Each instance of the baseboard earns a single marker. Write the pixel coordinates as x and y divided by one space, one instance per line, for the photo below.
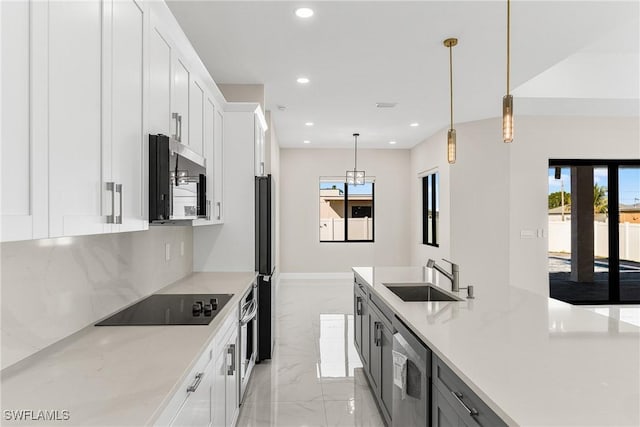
315 276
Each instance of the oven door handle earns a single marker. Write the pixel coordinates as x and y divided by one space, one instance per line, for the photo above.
249 314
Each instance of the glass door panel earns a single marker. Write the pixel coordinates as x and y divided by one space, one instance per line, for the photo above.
629 232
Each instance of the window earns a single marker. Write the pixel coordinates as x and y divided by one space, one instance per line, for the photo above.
346 211
430 209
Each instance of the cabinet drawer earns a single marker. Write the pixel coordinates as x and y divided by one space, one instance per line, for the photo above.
202 368
467 403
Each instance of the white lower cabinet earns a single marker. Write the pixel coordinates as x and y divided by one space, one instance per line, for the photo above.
196 395
209 394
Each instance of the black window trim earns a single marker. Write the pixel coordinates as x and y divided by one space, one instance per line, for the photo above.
346 222
429 226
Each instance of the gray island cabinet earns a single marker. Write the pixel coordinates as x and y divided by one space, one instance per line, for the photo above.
452 403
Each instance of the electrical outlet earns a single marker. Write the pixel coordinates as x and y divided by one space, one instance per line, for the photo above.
167 251
181 248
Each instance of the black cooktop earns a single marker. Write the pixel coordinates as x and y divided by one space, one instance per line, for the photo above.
170 309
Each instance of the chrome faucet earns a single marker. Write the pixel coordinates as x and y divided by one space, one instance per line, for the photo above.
454 276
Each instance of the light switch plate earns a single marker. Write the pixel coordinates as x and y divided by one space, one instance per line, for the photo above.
527 234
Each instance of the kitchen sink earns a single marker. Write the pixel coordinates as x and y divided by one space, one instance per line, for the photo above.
412 292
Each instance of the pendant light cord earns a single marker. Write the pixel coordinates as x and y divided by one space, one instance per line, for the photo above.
451 82
355 154
508 43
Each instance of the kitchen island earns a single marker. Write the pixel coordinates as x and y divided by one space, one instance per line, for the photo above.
533 360
119 375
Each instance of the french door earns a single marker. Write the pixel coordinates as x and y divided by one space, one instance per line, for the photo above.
594 231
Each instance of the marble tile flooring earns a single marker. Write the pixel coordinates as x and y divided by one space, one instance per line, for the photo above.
315 377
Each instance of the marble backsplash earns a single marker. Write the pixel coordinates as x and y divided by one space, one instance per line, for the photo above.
52 288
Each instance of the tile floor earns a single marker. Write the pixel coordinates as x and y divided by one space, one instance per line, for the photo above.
315 377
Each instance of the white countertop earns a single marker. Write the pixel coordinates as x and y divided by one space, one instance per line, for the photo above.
535 361
118 375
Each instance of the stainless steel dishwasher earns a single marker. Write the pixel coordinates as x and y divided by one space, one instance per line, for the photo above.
411 373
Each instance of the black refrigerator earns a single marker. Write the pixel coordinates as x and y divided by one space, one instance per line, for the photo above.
265 265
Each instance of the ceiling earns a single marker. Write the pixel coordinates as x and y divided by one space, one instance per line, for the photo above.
575 57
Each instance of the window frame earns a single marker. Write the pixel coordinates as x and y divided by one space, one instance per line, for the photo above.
429 227
346 218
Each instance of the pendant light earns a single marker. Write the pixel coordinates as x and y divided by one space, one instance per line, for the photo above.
451 134
355 177
507 100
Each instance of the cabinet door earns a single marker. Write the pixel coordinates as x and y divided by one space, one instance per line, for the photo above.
444 415
180 100
357 319
366 339
232 384
209 120
375 355
386 370
218 177
196 410
23 141
218 398
196 116
159 80
127 113
78 196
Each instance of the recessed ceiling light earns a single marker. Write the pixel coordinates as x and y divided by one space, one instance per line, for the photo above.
304 12
303 80
306 141
414 124
392 142
309 124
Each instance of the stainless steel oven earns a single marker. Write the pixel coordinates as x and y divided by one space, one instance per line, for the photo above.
248 336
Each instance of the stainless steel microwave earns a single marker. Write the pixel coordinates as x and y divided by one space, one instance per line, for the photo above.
177 182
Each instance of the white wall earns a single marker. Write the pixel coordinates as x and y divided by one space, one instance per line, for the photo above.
429 157
52 288
301 250
496 190
231 246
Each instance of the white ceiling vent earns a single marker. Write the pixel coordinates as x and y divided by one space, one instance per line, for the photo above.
386 104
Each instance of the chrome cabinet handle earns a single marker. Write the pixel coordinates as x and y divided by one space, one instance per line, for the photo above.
472 411
219 209
180 127
174 116
377 340
359 306
118 218
231 359
261 168
193 387
111 218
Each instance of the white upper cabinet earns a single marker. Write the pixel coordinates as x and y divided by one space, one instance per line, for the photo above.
78 197
213 151
96 117
196 116
84 83
160 121
127 129
180 100
23 168
218 168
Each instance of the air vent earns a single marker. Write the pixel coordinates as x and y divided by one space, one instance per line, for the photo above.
386 104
